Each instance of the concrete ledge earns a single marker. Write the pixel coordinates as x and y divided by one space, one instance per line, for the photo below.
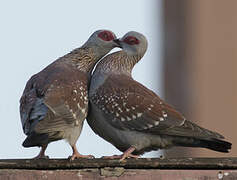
94 174
138 169
141 163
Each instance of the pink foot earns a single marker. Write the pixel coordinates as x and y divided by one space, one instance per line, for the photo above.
121 157
126 154
77 155
41 155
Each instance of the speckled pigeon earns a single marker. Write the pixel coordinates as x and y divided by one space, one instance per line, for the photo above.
54 103
132 117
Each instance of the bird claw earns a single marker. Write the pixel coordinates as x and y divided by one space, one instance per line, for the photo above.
78 156
124 156
120 157
41 157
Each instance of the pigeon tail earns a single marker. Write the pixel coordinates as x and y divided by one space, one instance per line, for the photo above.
212 143
35 139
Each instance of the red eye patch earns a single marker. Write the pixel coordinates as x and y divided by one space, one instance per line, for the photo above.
131 40
106 36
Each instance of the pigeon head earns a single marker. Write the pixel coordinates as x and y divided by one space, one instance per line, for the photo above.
133 43
102 41
134 46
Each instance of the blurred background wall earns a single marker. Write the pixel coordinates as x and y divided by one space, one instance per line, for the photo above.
201 66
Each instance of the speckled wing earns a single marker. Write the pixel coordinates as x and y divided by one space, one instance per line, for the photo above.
128 105
53 99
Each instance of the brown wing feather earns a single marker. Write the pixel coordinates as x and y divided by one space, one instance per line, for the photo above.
128 104
68 102
132 105
57 89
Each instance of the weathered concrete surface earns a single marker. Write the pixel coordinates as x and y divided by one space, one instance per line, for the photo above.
135 169
142 163
95 174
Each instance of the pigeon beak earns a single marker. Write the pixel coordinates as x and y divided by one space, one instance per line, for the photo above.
117 42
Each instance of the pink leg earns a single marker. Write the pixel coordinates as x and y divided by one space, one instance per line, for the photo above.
126 154
76 154
41 155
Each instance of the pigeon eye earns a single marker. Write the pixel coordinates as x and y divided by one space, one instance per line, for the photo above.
131 40
106 36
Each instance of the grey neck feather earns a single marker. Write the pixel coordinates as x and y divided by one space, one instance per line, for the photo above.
99 51
118 63
114 64
85 57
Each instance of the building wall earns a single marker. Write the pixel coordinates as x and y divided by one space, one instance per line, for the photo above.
201 66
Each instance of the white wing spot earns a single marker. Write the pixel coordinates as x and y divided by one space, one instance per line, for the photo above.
120 109
83 110
161 119
127 109
164 114
156 123
74 99
75 91
117 114
128 118
149 125
122 119
134 117
149 109
139 114
74 115
151 105
78 105
133 108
